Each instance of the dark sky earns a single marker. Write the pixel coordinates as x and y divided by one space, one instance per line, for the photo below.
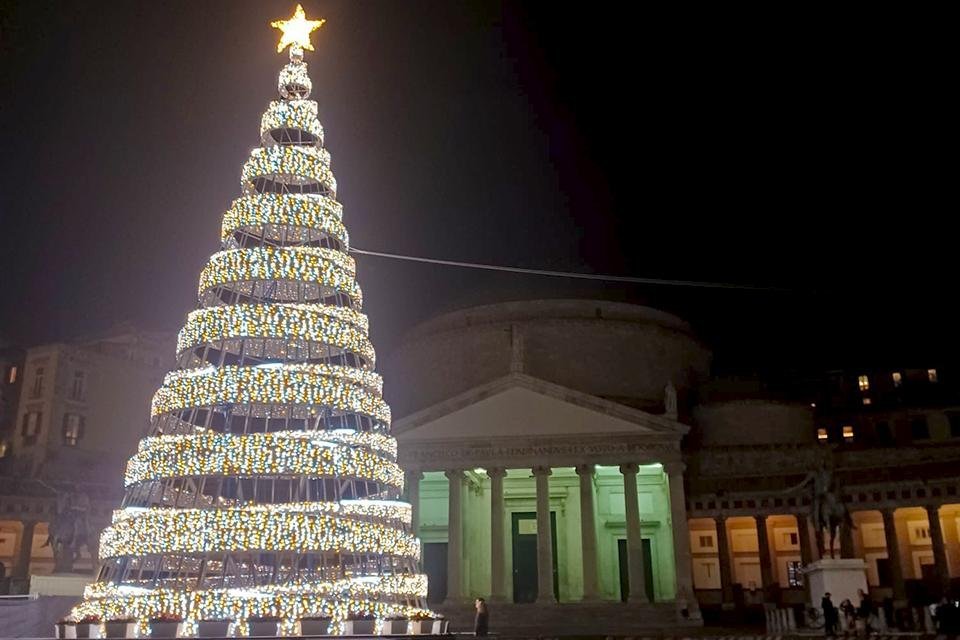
808 152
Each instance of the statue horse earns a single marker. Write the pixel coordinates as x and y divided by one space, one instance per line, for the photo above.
69 531
832 515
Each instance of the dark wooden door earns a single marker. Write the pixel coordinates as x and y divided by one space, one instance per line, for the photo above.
435 566
524 536
625 569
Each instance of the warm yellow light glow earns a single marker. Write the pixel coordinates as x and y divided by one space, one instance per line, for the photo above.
296 30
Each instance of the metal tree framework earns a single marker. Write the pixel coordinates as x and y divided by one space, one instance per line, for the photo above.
268 486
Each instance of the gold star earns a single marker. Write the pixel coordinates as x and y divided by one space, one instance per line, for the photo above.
296 30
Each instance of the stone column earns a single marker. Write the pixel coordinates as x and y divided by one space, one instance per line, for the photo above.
455 537
939 548
686 601
588 533
25 550
723 555
893 558
803 537
412 481
544 538
638 586
847 548
766 568
498 586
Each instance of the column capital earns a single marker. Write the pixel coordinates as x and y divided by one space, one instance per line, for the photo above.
542 470
586 469
629 467
888 512
496 472
932 510
675 467
413 474
720 519
454 474
760 518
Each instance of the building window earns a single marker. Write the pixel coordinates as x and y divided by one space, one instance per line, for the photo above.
12 374
884 435
897 378
932 375
864 382
848 433
38 382
794 538
79 385
954 419
30 428
72 429
706 542
822 435
919 429
867 402
794 576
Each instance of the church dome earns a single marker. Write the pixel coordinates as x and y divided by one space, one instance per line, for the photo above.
622 352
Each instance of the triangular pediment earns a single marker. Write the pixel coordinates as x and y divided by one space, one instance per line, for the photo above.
522 406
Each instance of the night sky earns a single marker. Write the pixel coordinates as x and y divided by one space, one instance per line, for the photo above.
808 153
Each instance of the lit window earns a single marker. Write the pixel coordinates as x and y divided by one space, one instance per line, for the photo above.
38 382
12 375
79 379
864 382
72 429
813 405
822 434
897 378
848 433
794 575
932 375
867 401
706 542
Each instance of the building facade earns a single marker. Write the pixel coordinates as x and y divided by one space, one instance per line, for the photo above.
80 410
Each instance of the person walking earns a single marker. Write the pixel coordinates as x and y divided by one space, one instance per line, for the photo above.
481 623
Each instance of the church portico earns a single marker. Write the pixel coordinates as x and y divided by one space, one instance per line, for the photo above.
533 495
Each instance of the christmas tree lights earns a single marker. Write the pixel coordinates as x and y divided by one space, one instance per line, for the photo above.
269 483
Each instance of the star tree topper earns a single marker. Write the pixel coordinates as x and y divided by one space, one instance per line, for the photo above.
296 31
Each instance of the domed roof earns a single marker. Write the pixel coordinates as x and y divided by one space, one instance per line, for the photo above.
622 352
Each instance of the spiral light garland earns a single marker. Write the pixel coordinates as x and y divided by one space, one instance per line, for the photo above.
288 602
292 114
341 388
273 454
286 209
281 321
253 528
296 163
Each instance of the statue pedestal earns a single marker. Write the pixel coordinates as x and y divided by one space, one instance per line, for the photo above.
839 578
60 584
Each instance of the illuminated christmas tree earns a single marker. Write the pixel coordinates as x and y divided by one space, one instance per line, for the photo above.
268 488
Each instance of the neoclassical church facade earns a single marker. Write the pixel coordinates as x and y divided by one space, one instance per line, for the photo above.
546 467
